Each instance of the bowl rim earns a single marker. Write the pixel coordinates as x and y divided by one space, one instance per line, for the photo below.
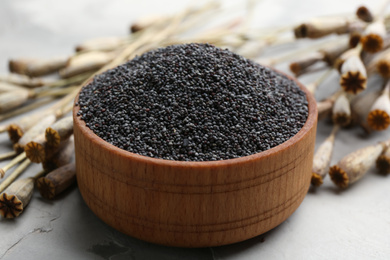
310 122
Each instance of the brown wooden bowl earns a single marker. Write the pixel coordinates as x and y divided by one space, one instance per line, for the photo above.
194 204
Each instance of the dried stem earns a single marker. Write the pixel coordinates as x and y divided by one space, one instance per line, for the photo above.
11 164
18 171
7 155
25 108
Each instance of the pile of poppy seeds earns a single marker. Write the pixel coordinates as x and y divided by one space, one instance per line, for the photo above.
193 102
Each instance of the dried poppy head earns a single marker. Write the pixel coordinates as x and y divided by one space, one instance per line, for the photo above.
364 14
353 82
301 31
378 120
10 206
339 176
372 43
383 68
14 133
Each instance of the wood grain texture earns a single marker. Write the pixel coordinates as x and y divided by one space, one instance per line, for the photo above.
194 204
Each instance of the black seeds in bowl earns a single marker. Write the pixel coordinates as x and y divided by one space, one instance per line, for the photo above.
193 102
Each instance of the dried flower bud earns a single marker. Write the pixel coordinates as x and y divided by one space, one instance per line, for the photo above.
57 181
383 162
379 116
364 14
37 67
341 113
322 158
353 75
355 165
16 197
374 34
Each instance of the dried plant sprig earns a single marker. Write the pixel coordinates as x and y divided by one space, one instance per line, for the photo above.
59 131
355 165
37 67
373 37
341 112
364 14
22 80
383 162
57 181
353 73
322 159
17 196
11 164
379 116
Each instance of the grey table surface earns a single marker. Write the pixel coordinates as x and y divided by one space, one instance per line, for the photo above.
329 224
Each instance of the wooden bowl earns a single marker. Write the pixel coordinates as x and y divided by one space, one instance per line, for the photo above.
194 204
